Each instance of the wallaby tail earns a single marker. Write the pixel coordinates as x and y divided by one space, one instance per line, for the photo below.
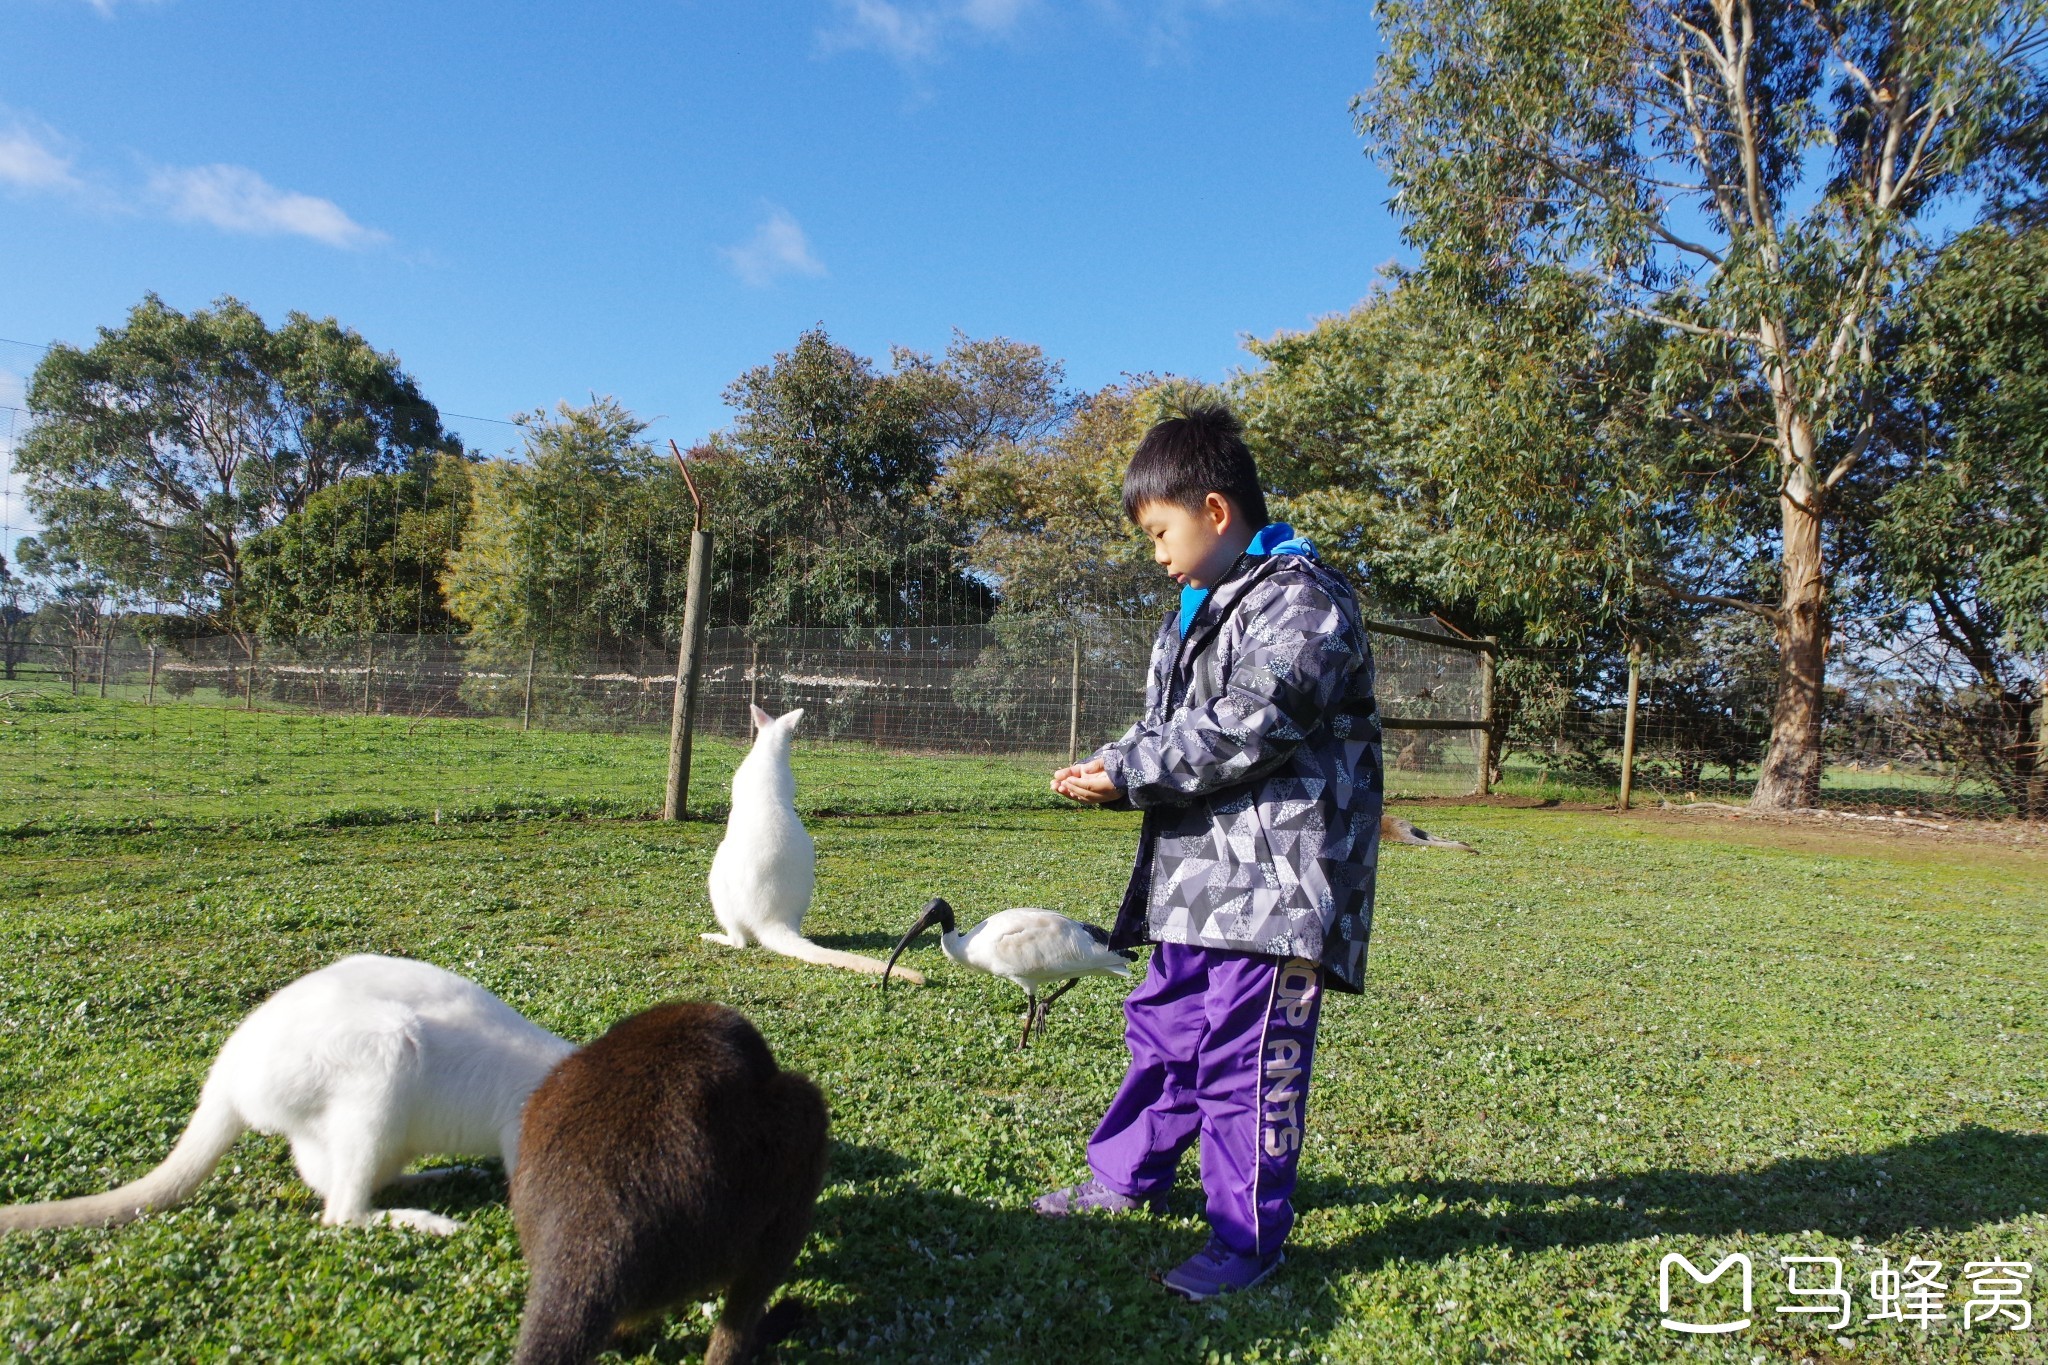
209 1133
790 943
562 1326
1395 830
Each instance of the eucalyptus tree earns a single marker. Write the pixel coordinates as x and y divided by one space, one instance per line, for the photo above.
1964 527
1959 542
366 555
579 545
15 620
1043 510
1759 182
156 452
823 481
1487 463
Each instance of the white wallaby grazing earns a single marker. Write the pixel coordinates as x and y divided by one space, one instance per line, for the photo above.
766 867
1395 830
366 1066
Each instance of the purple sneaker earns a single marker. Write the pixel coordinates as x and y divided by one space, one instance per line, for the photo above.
1092 1196
1216 1269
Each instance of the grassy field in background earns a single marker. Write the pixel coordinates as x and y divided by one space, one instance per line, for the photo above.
1601 1040
68 762
82 761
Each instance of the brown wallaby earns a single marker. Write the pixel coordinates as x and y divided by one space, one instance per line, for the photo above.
666 1161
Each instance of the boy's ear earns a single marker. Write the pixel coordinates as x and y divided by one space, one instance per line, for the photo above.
762 720
1221 515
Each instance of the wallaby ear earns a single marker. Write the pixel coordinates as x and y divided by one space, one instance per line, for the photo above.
790 718
762 720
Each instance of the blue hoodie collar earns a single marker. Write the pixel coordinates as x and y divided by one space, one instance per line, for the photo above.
1274 538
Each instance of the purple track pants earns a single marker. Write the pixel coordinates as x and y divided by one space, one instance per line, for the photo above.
1221 1044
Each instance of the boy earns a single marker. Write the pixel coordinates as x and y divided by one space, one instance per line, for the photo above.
1257 765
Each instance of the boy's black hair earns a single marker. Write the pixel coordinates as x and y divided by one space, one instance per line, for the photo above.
1184 459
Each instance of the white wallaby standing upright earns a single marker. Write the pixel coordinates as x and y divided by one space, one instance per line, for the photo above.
365 1066
766 867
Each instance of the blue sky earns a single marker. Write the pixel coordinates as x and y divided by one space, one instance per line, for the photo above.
644 200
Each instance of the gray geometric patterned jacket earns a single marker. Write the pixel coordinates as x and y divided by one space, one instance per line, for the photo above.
1257 765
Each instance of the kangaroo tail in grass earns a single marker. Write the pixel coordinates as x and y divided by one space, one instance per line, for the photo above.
213 1128
789 943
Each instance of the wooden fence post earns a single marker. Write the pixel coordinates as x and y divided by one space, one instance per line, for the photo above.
74 670
2040 782
526 705
106 648
689 655
1487 743
152 676
369 669
753 675
249 692
1074 701
1628 728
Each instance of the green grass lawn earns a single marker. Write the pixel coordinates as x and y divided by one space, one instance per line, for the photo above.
83 761
1602 1040
80 763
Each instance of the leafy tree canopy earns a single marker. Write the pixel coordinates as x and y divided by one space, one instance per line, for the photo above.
1748 178
366 555
1964 529
822 486
1500 465
160 449
578 546
1044 508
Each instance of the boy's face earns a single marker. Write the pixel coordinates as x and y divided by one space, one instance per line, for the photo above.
1195 546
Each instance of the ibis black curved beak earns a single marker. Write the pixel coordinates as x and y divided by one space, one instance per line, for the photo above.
936 911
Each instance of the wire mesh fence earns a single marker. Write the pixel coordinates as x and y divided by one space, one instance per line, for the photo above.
1882 753
157 723
428 720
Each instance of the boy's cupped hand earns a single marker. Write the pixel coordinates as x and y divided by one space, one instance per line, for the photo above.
1086 783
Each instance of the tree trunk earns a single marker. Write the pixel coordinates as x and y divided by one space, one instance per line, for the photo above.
1791 771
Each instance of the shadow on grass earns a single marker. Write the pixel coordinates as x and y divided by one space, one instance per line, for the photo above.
1945 1182
924 1273
907 1272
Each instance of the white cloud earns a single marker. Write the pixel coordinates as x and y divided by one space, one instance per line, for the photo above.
1167 27
880 26
919 33
778 249
237 199
994 16
916 33
29 160
34 159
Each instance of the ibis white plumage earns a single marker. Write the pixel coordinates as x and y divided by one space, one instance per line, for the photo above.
1029 947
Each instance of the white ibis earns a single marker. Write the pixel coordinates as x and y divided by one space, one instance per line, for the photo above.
1029 947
